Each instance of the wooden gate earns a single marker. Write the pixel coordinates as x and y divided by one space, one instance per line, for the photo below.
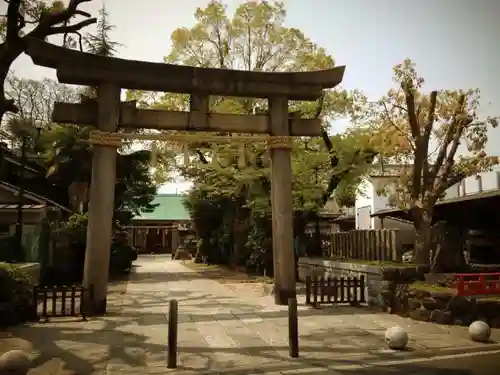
335 290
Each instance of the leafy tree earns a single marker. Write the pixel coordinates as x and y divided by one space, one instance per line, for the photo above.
423 132
63 151
34 19
135 188
69 162
255 38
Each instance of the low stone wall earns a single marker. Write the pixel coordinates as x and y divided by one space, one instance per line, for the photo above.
327 267
390 288
447 308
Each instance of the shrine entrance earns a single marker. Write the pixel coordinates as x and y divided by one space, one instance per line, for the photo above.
107 113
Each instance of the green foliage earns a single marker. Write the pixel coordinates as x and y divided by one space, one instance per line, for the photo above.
135 188
122 254
74 228
9 250
230 199
68 159
16 291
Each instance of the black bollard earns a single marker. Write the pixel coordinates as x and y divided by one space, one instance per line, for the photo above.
172 335
293 328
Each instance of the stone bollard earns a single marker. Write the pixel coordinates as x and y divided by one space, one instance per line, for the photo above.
480 331
396 338
14 362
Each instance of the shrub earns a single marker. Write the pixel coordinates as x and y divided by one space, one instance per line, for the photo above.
16 295
9 250
122 254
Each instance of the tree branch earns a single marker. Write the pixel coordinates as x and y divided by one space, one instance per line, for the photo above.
417 137
13 15
410 141
202 157
424 143
452 180
412 114
48 22
438 164
446 179
71 29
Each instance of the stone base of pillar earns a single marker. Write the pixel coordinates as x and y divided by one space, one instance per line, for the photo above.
182 254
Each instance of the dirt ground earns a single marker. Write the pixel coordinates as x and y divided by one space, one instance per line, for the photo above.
225 275
236 280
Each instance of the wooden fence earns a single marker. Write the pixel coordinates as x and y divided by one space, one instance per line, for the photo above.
371 244
60 301
335 290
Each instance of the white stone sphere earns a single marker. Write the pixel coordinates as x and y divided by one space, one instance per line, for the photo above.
480 331
396 338
14 362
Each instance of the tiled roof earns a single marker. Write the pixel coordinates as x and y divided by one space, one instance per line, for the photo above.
170 207
24 206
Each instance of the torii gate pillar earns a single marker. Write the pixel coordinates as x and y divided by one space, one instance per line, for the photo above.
281 203
101 204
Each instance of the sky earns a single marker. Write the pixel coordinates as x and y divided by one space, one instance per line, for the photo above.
455 43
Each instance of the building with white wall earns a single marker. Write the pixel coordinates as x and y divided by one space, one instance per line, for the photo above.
370 200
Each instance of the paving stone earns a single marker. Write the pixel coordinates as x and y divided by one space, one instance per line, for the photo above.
222 329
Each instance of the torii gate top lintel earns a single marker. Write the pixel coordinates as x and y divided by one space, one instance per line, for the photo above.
80 68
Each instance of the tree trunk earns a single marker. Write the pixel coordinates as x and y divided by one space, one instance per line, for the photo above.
448 253
423 238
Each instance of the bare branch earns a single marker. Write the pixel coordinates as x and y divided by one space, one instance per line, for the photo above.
449 182
82 13
400 107
48 22
425 141
13 16
447 140
415 132
410 141
411 110
71 29
447 176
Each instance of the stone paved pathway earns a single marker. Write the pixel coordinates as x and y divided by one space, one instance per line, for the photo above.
223 329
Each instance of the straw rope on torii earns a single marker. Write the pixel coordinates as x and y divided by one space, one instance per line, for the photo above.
114 139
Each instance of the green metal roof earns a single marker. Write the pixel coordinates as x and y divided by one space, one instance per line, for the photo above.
170 207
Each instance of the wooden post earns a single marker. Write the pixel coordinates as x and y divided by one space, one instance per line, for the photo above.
102 193
293 328
282 205
172 334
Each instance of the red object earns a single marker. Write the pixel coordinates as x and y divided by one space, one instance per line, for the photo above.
471 284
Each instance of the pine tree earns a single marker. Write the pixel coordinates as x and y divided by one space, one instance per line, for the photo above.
99 43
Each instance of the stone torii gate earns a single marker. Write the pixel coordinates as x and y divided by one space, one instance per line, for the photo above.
108 113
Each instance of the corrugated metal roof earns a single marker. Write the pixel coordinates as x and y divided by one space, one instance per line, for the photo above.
170 208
